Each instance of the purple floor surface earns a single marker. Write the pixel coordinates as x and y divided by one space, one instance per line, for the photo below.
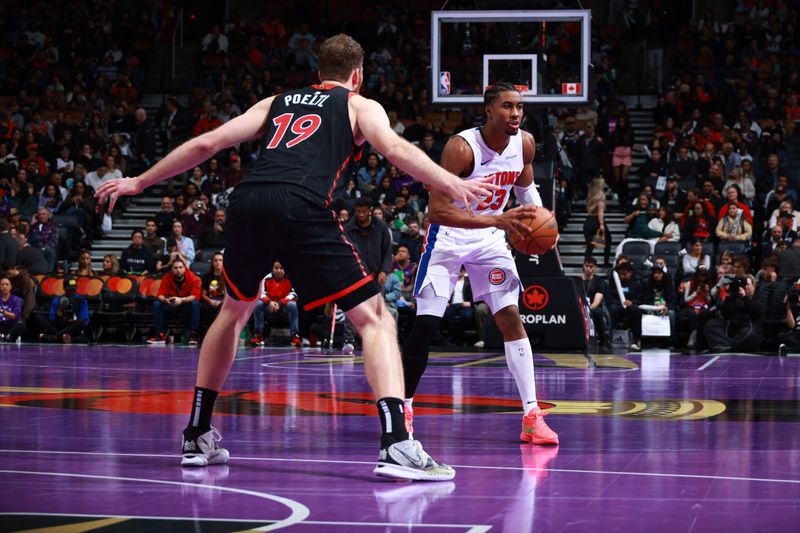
649 442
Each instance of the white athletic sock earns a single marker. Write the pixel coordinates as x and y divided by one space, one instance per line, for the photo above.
519 357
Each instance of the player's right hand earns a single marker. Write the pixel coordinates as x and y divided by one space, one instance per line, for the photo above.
469 191
511 221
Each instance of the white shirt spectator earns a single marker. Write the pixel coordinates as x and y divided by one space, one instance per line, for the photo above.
690 263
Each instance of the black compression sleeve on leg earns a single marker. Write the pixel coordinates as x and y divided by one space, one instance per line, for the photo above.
415 350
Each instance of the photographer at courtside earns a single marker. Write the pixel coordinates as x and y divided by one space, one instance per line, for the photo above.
69 316
740 326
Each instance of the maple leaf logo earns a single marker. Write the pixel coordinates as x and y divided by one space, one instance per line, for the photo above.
535 298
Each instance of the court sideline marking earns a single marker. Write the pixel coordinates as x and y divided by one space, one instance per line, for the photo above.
472 528
372 463
299 512
708 363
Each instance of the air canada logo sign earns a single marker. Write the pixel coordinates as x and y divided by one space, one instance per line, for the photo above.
534 300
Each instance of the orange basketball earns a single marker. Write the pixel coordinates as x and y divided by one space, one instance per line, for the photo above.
543 235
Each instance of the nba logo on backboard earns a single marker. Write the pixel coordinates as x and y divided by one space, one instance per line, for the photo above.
444 82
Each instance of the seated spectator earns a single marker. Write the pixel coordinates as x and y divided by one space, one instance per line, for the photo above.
198 222
595 289
97 177
710 196
277 297
623 302
696 302
137 258
9 247
214 237
694 258
185 244
654 167
50 198
384 195
734 196
234 173
659 291
68 318
664 224
213 286
370 174
405 270
219 196
402 211
164 263
692 197
84 264
22 285
151 240
460 306
31 257
166 217
44 235
698 224
733 226
413 240
639 218
673 196
110 265
390 290
786 209
683 166
747 187
179 294
342 329
80 203
780 234
11 324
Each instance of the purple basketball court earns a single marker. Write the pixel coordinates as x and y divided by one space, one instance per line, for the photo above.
651 442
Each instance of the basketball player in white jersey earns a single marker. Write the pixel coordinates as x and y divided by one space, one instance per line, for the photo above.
454 238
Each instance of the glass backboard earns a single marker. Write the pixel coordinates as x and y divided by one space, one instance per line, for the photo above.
545 53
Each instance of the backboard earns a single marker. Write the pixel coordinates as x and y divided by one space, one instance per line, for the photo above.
545 53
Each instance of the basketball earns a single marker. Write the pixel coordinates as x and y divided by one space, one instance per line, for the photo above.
543 235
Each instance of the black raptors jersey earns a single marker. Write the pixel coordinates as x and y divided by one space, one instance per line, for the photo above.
308 142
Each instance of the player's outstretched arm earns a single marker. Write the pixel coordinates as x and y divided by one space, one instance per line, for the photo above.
191 153
457 158
373 124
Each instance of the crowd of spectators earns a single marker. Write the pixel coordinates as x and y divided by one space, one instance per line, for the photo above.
717 193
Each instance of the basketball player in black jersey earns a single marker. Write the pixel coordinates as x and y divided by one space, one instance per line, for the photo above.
282 209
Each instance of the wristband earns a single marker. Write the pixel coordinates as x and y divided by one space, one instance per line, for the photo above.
528 195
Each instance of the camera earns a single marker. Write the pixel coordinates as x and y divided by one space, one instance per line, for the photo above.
736 284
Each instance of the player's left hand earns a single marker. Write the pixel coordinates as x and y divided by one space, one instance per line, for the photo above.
113 189
469 191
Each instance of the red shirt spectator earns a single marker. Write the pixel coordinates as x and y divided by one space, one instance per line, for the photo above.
191 285
207 122
33 155
277 287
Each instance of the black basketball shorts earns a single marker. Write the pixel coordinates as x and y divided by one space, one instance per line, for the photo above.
278 222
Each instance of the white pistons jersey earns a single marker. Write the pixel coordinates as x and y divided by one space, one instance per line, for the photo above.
483 251
504 169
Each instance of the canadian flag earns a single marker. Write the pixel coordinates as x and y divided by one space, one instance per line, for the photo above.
570 88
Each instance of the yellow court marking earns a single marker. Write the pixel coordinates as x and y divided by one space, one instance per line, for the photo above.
77 528
481 361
